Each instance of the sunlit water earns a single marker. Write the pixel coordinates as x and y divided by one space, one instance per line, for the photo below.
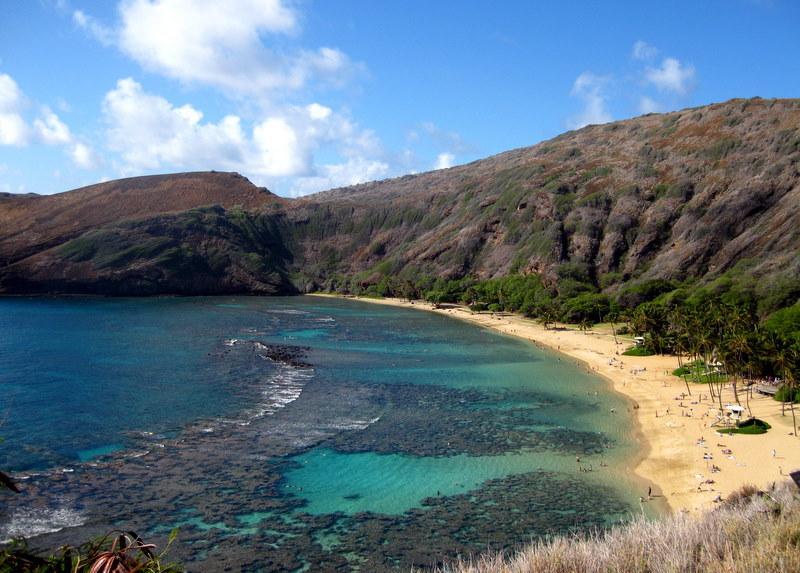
390 437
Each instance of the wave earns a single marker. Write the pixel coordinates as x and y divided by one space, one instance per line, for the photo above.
343 424
278 390
31 522
286 311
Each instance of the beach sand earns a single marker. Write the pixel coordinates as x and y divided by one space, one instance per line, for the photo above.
676 432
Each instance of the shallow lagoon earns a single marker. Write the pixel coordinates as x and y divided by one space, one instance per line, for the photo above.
389 438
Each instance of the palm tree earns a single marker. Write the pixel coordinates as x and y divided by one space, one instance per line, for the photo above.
780 360
612 317
547 317
735 350
680 349
793 355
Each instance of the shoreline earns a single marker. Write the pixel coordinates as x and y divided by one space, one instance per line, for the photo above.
679 447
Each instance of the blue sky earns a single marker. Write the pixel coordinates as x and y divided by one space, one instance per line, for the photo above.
306 95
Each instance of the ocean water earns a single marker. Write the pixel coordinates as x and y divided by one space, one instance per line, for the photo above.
299 434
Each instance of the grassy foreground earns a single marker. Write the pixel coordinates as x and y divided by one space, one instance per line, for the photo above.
750 532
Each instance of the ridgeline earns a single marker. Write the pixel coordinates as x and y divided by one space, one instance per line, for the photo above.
695 196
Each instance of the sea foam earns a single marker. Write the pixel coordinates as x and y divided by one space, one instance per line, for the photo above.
30 522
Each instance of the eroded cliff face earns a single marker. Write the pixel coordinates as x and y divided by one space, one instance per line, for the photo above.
689 193
685 194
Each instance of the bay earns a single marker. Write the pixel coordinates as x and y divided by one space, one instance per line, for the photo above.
299 433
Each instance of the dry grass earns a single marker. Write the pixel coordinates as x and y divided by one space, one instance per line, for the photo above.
749 533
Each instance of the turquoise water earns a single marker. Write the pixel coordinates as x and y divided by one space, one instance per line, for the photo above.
290 434
393 484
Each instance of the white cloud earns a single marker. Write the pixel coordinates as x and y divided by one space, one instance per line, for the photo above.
589 87
444 160
98 31
47 128
671 76
643 51
429 146
318 111
51 130
351 172
450 140
63 105
11 97
648 105
220 44
13 129
280 151
83 156
150 132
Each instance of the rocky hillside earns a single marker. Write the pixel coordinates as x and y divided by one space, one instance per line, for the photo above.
32 222
142 235
694 193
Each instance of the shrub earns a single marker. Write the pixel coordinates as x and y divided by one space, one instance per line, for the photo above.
750 426
720 149
587 306
786 322
609 279
638 351
682 371
787 394
642 292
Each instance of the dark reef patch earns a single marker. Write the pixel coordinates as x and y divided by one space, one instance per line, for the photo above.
466 422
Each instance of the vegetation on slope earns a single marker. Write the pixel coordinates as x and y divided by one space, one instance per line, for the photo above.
33 223
752 531
688 195
207 250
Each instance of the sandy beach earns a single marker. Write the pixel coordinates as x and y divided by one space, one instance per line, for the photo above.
680 447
